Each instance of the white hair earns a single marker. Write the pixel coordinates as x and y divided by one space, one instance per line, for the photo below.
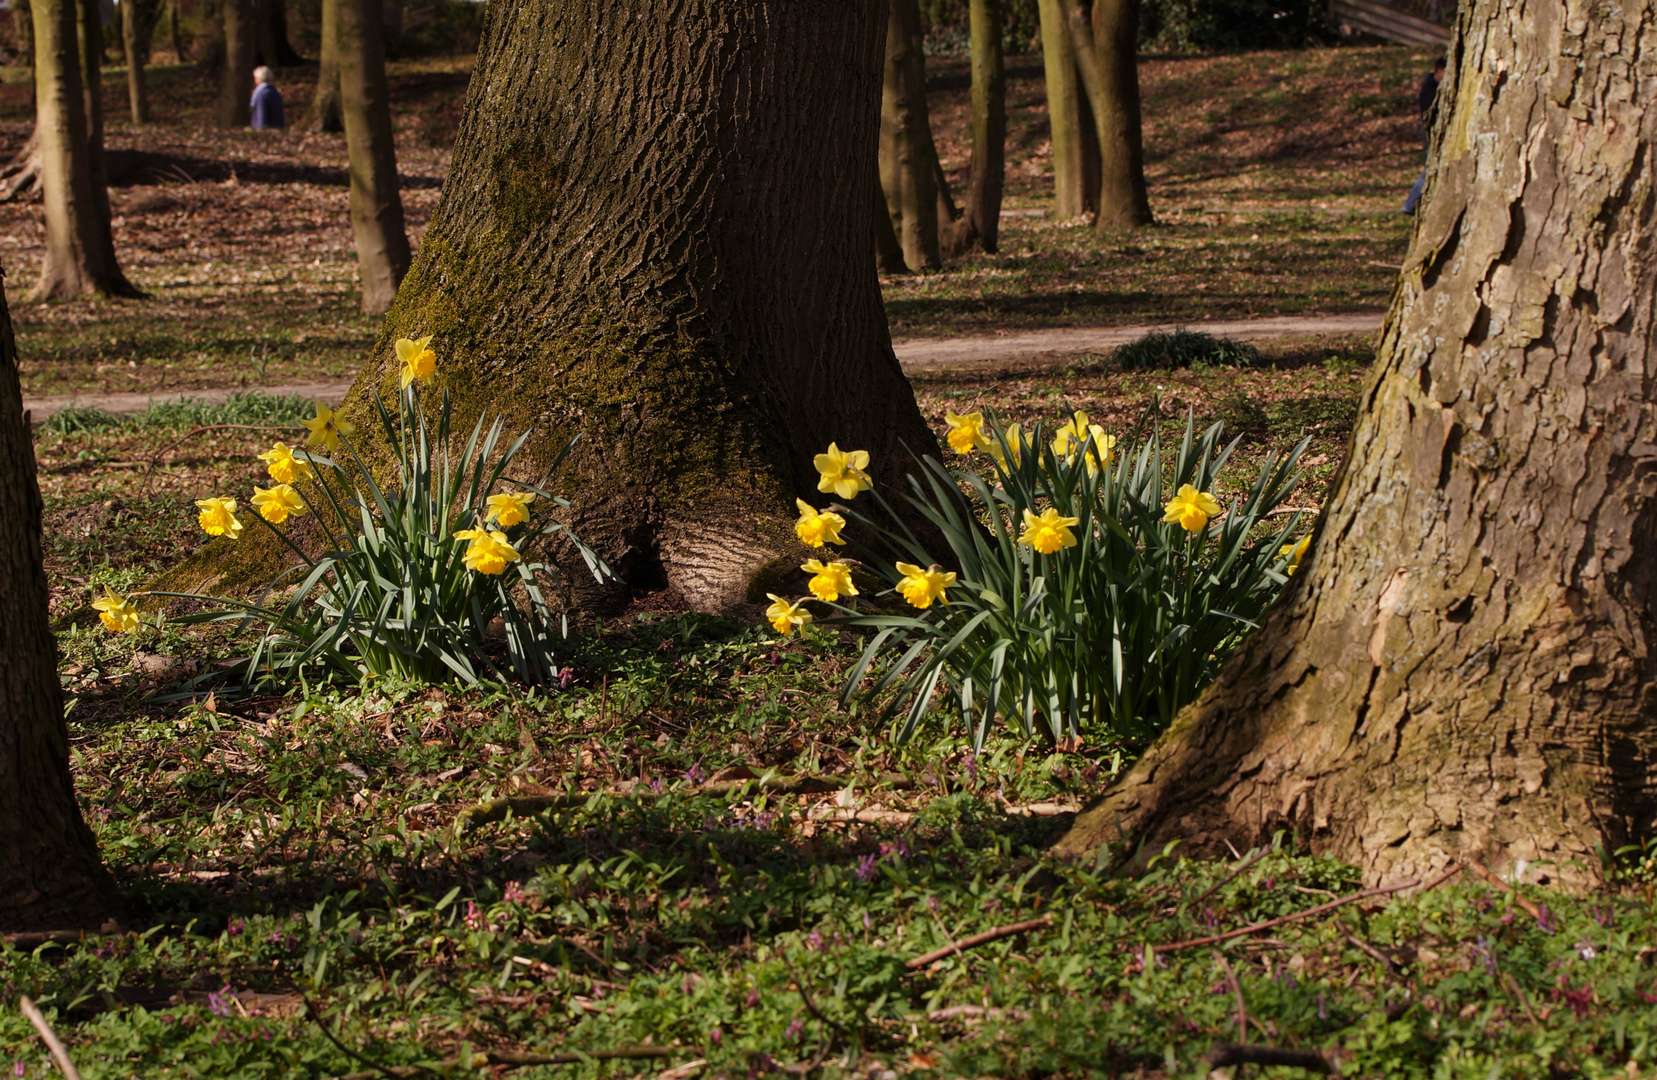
262 74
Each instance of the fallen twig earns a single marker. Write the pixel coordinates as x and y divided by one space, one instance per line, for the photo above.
996 934
35 939
1255 928
974 1012
1519 898
1386 962
1225 1053
60 1053
1229 878
1237 992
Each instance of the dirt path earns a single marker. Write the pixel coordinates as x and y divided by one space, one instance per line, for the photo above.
915 354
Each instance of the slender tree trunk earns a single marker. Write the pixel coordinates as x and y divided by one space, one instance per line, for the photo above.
1463 666
80 257
989 123
376 203
23 24
91 40
323 115
173 29
1107 56
1070 120
888 252
50 876
908 160
236 73
132 37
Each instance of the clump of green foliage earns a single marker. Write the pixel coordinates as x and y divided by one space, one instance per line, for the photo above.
1182 348
251 407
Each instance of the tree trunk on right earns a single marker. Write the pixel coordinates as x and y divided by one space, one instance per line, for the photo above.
324 115
1107 55
908 161
236 73
376 202
1464 664
1074 138
50 875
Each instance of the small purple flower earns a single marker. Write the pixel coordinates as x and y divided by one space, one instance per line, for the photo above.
796 1028
866 924
19 1068
969 762
656 786
565 677
715 1035
219 1004
814 941
1586 950
753 998
1545 921
1323 1013
932 902
695 775
475 919
1482 952
866 868
514 894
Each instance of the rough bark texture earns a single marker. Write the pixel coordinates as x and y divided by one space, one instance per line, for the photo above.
50 876
132 41
376 203
236 72
324 114
80 256
907 158
1069 119
1463 666
655 236
1107 57
989 123
888 251
20 177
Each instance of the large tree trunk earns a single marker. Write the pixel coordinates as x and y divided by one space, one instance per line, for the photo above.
656 235
324 115
908 160
50 876
1107 56
888 251
989 123
376 204
132 39
80 256
1070 121
1463 667
270 34
236 72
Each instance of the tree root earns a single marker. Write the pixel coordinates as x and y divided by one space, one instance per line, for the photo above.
20 177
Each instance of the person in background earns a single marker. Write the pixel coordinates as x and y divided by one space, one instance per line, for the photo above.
1425 98
267 101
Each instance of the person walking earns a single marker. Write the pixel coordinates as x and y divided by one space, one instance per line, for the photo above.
1426 98
267 101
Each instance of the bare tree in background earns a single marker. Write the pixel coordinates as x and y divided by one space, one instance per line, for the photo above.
1107 55
982 219
324 115
135 44
376 203
236 71
1075 139
908 161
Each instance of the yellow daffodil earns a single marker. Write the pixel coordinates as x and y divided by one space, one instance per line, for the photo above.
966 432
829 580
418 361
842 471
117 613
218 517
488 551
1191 508
818 527
327 429
786 616
1295 552
508 509
284 467
1014 436
278 503
1049 532
921 587
1077 431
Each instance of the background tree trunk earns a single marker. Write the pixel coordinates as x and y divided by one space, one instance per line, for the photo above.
907 158
132 38
376 204
1070 121
80 259
1463 666
89 17
989 123
888 252
236 73
655 235
1107 56
323 115
20 177
270 35
177 36
23 23
50 876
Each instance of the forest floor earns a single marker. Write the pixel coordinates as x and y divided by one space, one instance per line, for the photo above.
306 899
1275 177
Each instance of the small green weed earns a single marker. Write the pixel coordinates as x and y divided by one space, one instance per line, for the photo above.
1182 348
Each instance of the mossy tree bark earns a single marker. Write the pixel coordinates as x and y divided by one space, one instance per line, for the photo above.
80 250
1074 139
657 235
1463 666
324 114
133 39
235 108
376 203
908 161
50 876
1107 56
989 123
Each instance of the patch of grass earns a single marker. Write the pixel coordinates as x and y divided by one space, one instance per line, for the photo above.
1182 348
250 407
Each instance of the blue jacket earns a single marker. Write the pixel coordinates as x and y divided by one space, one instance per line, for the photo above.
267 107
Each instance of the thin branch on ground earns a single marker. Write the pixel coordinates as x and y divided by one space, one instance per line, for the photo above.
1225 1053
1229 878
1519 898
987 936
60 1053
1237 992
